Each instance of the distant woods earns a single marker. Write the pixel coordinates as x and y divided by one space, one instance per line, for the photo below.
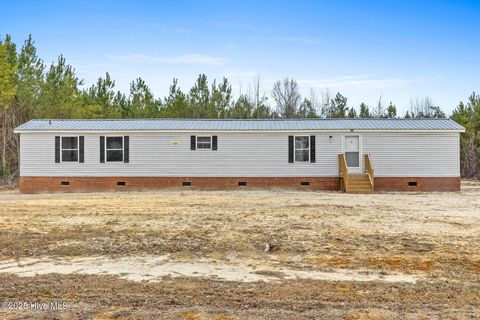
468 115
31 89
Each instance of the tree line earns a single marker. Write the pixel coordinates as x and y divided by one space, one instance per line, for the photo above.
30 89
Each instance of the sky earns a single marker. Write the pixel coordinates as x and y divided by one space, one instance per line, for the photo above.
396 50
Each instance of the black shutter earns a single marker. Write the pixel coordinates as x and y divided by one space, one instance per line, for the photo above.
312 148
193 143
81 147
102 149
290 149
126 149
57 149
214 143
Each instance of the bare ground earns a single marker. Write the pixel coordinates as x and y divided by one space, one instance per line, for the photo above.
201 255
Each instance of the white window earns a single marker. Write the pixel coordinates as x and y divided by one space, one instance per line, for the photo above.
114 149
69 149
204 142
302 148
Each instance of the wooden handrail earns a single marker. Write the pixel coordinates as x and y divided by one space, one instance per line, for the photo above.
369 169
343 171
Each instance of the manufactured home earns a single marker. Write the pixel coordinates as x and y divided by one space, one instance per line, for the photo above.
351 155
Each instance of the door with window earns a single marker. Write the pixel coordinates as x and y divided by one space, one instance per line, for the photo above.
352 153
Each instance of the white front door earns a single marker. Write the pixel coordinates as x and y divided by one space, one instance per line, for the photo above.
352 153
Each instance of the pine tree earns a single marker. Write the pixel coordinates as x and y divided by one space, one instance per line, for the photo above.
60 94
391 111
142 103
30 78
221 99
99 100
8 86
121 102
364 111
352 113
337 107
199 98
8 89
262 111
242 109
176 104
468 115
307 110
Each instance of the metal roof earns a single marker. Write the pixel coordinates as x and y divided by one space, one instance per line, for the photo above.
238 125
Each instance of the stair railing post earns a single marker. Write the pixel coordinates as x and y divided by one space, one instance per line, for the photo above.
342 165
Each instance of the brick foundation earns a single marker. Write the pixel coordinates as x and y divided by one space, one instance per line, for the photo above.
97 184
417 183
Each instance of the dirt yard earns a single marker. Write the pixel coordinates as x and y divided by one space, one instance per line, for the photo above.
241 255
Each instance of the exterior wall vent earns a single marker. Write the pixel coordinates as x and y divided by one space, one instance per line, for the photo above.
242 183
65 183
186 183
121 183
412 183
305 183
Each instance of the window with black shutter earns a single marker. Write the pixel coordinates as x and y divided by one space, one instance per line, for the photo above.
312 149
102 149
290 149
214 143
126 149
69 149
193 142
81 150
302 148
114 149
57 149
204 142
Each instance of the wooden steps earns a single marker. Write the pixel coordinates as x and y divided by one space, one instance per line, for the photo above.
356 182
359 183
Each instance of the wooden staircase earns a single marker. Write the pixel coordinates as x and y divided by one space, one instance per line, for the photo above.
356 183
359 183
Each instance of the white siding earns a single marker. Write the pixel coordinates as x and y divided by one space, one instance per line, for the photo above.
415 155
238 154
246 154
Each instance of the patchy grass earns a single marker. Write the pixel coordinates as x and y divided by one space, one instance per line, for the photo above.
433 235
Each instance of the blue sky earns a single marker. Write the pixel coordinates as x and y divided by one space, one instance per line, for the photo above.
365 49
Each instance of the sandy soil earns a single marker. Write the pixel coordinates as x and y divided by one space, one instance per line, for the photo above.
201 255
155 268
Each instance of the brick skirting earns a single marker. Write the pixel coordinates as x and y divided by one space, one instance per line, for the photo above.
417 183
94 184
97 184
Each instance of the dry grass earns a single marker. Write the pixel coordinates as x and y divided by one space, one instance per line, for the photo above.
435 235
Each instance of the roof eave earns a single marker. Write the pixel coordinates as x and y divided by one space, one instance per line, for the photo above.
256 131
